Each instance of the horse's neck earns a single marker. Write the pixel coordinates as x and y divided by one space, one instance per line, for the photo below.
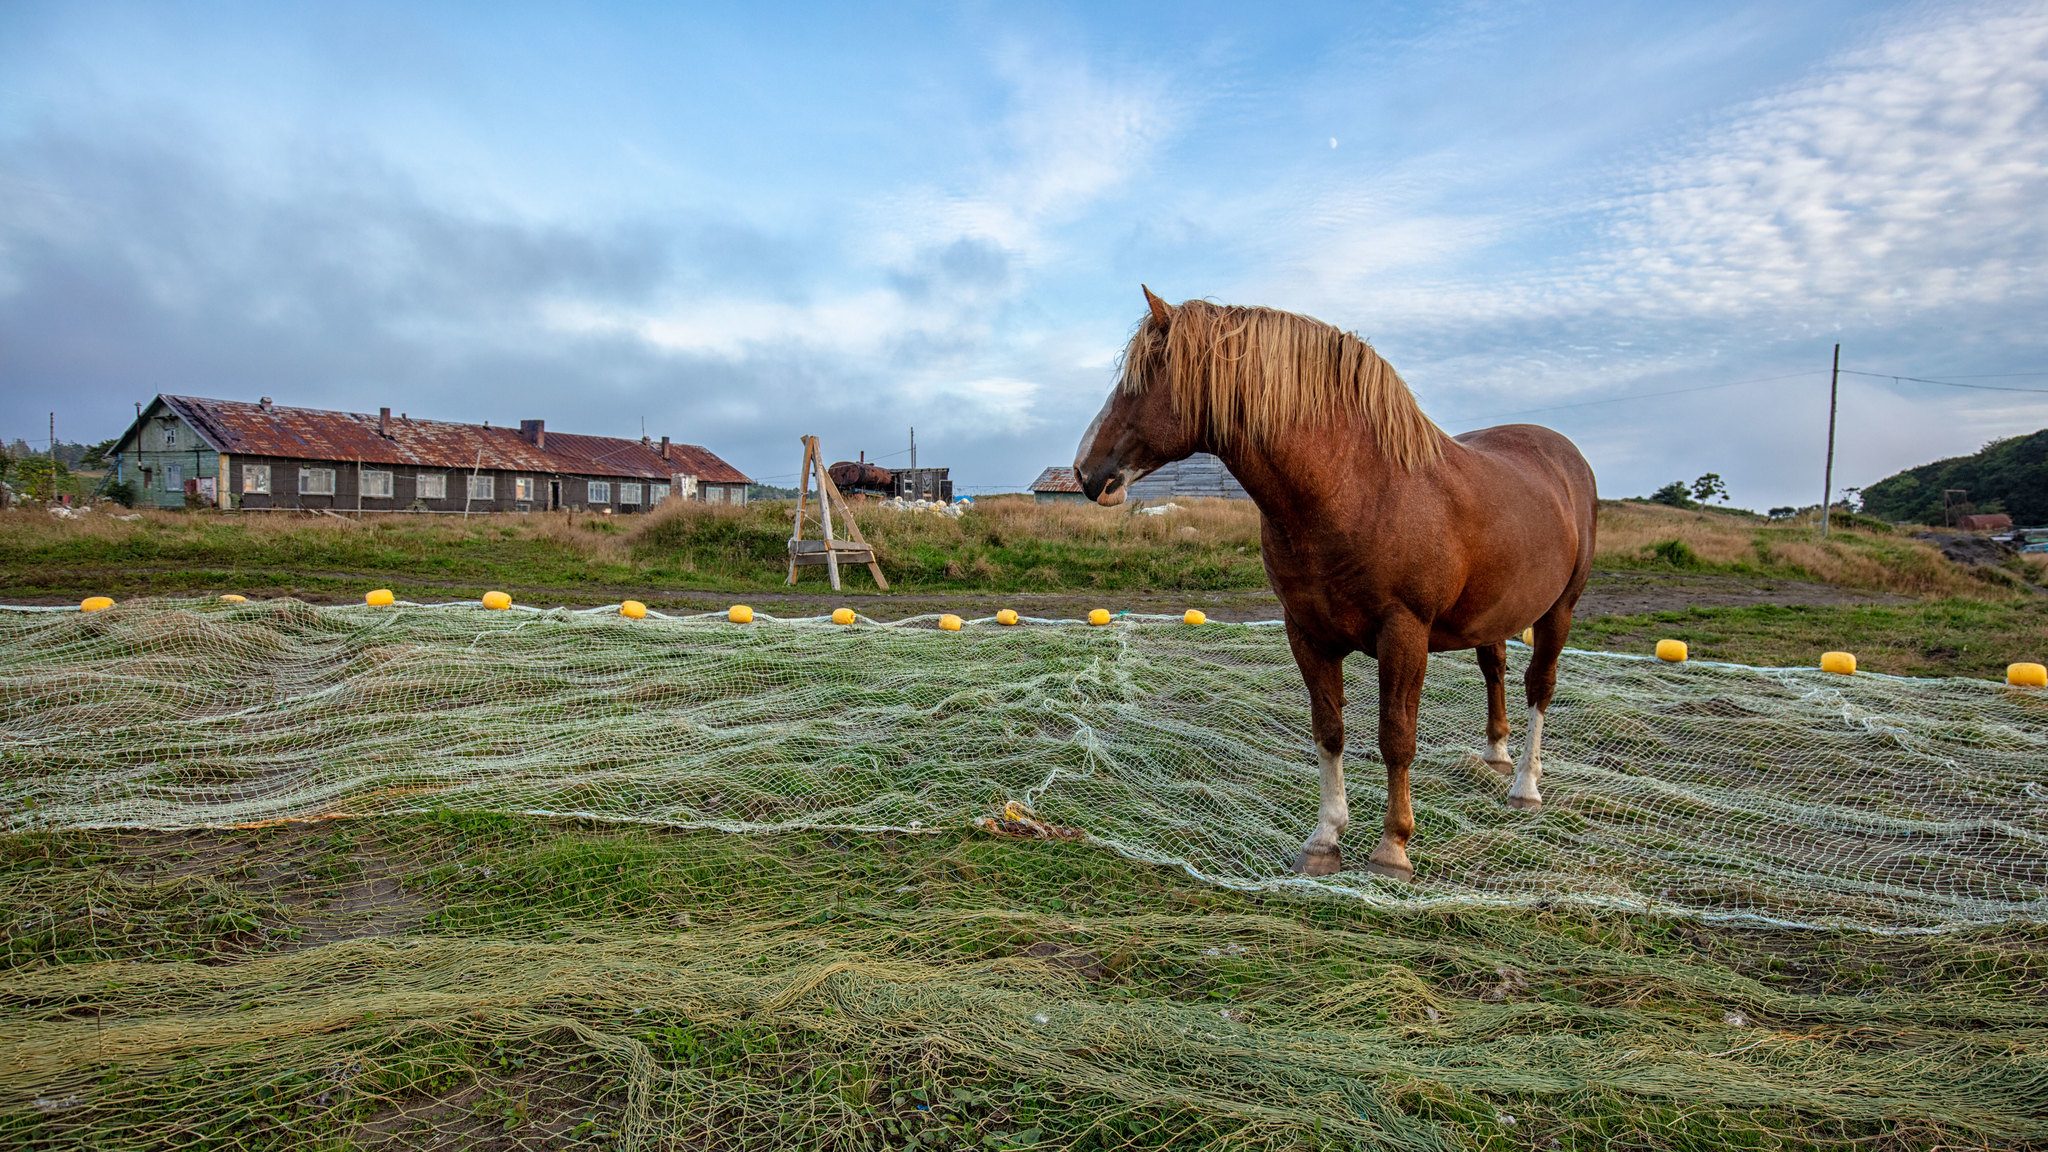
1309 472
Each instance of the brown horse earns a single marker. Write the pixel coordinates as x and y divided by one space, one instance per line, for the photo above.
1381 534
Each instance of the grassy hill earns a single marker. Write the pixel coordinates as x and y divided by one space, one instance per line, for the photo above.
2009 476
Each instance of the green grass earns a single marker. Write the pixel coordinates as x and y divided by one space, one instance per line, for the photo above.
1951 637
88 917
1005 546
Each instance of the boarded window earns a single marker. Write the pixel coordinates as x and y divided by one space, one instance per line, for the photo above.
174 477
629 493
433 486
316 481
522 488
483 487
377 484
600 491
255 477
714 494
656 493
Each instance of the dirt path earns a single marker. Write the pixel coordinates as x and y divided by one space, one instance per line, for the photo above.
1609 594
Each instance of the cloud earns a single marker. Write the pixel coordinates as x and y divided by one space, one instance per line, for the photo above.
137 257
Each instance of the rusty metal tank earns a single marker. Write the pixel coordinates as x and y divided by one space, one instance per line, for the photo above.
859 476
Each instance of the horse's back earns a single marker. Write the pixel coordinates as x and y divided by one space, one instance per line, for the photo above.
1542 458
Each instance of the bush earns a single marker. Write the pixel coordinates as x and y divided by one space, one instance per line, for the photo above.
1677 494
1676 553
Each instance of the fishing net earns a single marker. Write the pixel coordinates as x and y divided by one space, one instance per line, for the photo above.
507 980
1789 795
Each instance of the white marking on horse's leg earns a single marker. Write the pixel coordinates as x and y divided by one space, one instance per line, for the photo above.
1335 813
1524 793
1497 753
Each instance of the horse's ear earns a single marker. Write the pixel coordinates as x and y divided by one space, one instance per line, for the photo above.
1160 311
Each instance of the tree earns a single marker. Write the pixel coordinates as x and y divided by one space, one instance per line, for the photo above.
1783 513
1675 494
42 478
1709 486
94 458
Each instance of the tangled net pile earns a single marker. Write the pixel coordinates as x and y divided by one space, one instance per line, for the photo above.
557 988
1788 795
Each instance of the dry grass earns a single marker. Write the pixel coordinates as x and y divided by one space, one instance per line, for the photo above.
1854 555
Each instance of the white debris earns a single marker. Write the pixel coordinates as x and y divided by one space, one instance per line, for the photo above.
899 504
1159 510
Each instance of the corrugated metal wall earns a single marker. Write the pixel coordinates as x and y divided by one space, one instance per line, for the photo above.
1197 476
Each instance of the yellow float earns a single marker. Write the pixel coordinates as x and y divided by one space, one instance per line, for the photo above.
2026 675
740 614
949 622
1842 663
1529 637
95 603
1672 650
633 610
1006 616
1099 617
497 601
842 615
379 598
232 598
1193 616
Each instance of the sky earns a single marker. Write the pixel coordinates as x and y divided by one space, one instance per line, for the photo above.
1644 224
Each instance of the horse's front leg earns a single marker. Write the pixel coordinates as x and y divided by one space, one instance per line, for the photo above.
1403 658
1493 664
1324 675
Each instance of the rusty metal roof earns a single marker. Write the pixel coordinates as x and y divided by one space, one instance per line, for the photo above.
1057 480
242 428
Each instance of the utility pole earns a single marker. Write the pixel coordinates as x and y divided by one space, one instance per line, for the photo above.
913 449
1827 489
53 435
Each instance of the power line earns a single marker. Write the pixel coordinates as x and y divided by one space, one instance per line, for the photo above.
1654 395
1954 383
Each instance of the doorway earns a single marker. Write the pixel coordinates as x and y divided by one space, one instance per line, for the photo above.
554 495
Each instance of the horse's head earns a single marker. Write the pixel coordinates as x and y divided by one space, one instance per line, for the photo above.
1138 429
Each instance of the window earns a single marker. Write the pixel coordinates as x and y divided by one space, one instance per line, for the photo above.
433 486
255 477
600 491
714 494
629 493
170 435
174 477
656 493
316 481
483 487
522 488
377 484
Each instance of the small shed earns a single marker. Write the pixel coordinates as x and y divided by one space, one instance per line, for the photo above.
1058 486
1200 475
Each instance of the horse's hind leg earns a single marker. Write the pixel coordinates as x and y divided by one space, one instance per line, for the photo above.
1541 682
1324 676
1493 664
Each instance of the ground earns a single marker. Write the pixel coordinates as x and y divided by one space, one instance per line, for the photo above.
504 981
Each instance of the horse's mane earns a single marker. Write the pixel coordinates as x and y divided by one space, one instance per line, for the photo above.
1260 373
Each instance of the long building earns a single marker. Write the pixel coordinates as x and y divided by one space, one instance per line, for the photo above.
187 450
1200 475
